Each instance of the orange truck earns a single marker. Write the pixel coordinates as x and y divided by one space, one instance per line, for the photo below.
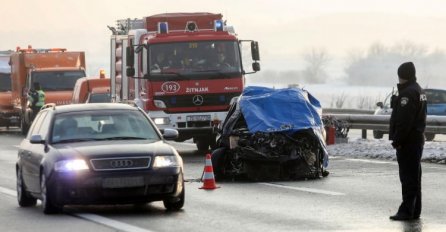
55 69
92 89
8 117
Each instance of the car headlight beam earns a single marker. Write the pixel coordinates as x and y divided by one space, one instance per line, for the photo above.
165 161
70 165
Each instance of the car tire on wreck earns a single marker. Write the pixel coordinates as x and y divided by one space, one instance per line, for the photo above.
378 134
429 136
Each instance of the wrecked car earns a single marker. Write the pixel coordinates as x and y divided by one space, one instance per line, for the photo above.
271 134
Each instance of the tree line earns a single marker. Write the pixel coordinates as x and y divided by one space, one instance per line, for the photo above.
377 66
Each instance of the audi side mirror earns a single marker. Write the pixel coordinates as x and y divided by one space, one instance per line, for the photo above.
170 134
380 104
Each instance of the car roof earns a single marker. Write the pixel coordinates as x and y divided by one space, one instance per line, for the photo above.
429 89
88 107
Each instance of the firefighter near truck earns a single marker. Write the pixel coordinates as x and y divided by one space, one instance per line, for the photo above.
56 70
184 69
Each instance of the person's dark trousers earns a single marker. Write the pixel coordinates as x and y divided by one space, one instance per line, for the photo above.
35 110
409 162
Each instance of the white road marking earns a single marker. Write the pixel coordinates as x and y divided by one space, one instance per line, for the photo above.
372 161
393 163
310 190
120 226
8 191
111 223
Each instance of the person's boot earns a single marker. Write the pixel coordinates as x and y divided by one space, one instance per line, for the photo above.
401 217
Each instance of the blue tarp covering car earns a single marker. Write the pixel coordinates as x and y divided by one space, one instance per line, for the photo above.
272 110
272 134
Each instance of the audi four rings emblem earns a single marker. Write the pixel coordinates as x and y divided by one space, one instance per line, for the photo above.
197 100
121 163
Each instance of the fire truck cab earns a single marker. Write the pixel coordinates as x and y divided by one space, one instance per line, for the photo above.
184 69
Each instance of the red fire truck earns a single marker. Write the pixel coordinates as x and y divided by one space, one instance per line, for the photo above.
184 69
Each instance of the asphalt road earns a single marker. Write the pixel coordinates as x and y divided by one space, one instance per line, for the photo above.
358 195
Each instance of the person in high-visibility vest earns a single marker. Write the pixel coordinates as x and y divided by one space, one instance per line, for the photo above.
36 99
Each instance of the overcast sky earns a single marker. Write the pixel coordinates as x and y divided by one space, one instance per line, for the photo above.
284 28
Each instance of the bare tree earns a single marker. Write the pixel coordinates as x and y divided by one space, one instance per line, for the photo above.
339 100
317 60
378 66
365 102
409 49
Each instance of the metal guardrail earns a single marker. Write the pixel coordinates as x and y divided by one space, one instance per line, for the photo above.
434 124
346 111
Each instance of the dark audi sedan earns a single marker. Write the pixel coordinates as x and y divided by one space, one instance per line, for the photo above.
100 153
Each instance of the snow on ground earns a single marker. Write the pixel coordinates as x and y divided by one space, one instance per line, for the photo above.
434 152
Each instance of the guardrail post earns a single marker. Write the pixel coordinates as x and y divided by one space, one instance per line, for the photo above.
364 133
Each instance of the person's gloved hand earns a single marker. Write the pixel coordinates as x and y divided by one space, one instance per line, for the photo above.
395 145
393 101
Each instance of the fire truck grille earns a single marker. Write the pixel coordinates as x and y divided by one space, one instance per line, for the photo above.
197 100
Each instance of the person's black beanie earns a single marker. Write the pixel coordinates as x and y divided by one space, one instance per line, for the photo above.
407 71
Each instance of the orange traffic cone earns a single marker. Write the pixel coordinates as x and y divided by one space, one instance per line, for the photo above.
208 176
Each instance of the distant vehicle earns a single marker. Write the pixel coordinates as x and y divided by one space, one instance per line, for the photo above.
55 69
436 105
98 153
8 116
92 90
272 134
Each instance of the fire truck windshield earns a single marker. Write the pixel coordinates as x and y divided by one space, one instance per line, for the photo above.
5 82
187 59
56 80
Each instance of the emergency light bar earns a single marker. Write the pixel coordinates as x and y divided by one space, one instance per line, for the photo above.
191 26
163 28
218 25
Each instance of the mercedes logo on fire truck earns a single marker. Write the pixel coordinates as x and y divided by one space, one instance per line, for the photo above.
197 100
121 163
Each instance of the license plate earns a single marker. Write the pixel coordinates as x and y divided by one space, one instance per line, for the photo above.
123 182
199 118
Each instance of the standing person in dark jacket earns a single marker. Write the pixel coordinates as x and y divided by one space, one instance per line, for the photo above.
407 124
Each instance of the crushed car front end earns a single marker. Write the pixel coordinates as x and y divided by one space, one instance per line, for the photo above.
270 135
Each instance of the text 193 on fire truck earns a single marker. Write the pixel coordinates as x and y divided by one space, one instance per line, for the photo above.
55 69
185 70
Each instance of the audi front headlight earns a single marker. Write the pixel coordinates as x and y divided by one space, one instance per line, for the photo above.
71 165
165 161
